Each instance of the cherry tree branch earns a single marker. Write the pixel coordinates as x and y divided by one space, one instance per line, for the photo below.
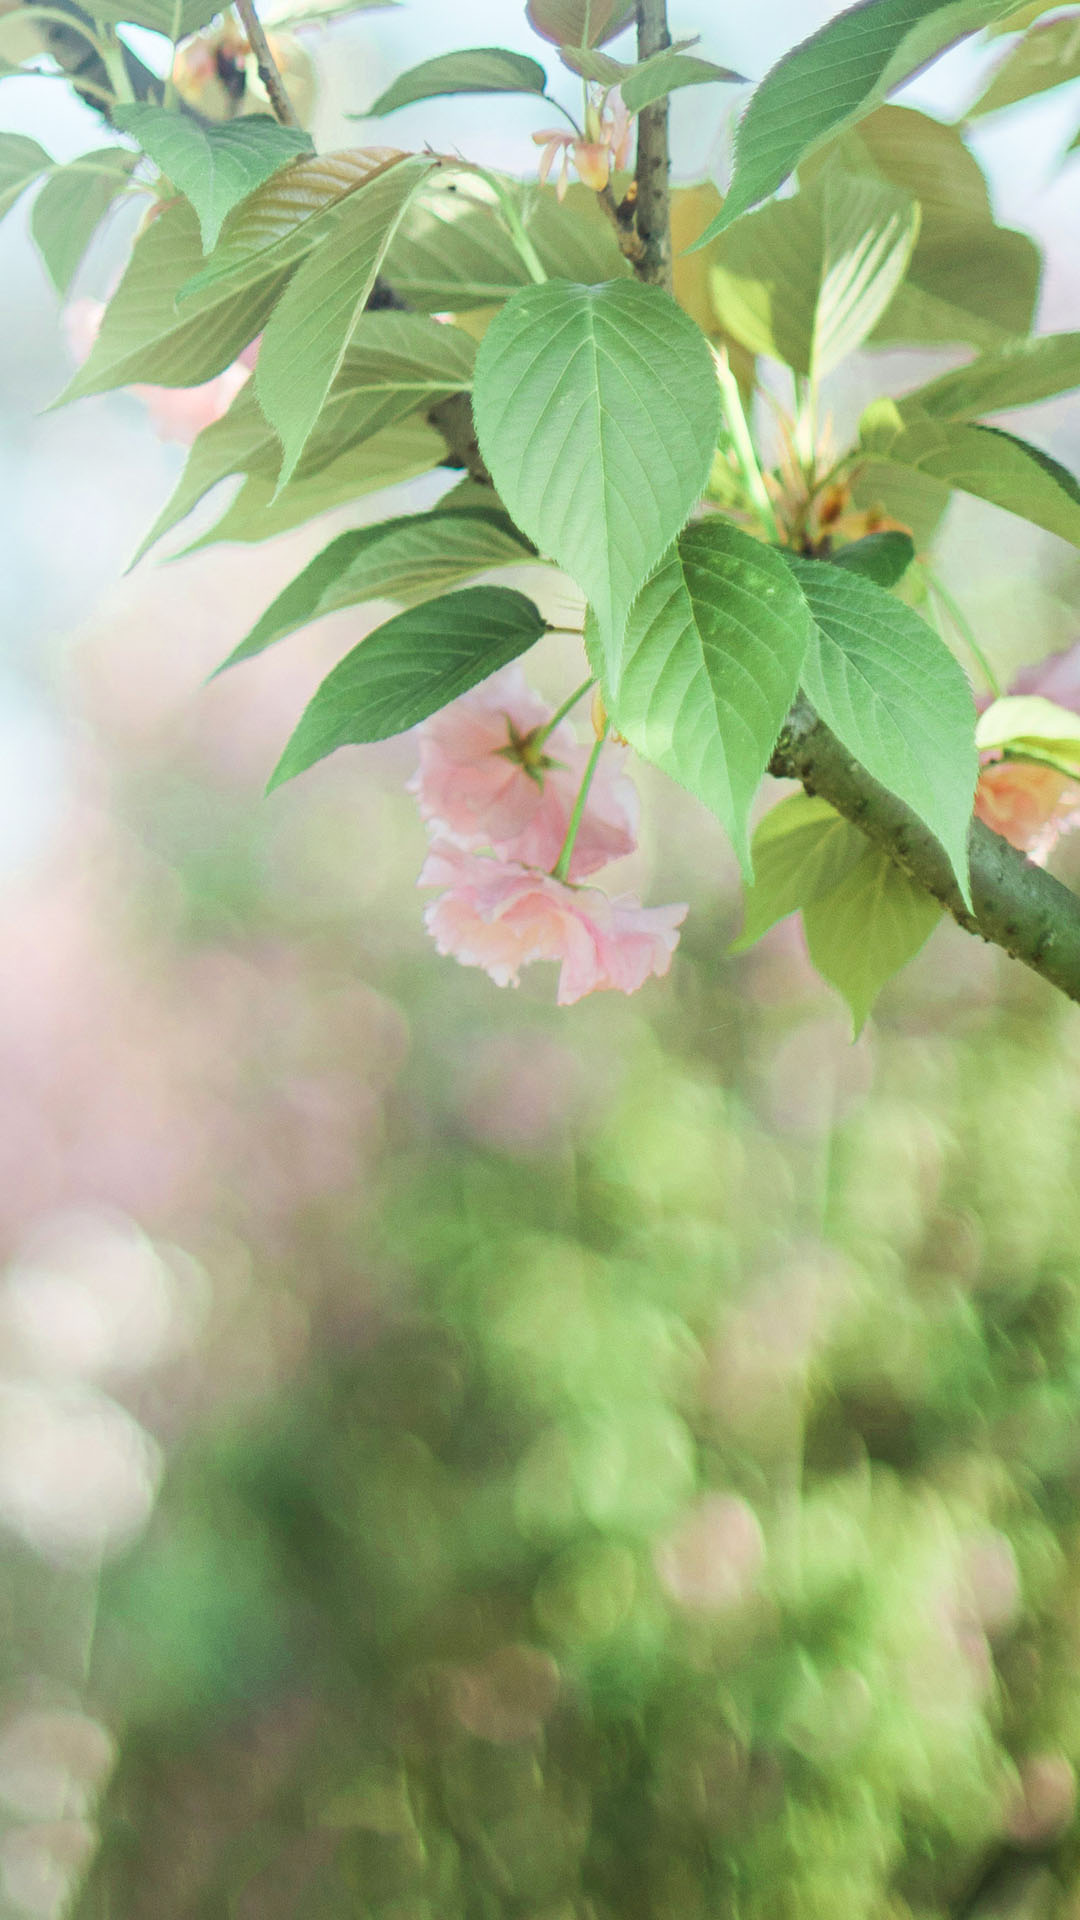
1017 906
652 199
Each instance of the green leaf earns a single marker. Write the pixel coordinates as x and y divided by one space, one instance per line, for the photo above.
579 23
174 18
866 928
409 668
1046 57
404 559
475 70
708 667
887 492
881 557
22 162
893 694
801 850
396 364
144 338
307 334
215 164
260 510
806 279
597 411
984 461
832 80
71 206
453 253
1016 375
1023 719
647 80
283 219
968 280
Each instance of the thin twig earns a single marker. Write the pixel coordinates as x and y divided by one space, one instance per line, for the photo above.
269 74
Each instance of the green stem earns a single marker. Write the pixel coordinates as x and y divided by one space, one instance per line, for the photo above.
561 869
565 111
743 444
112 54
963 627
561 712
527 253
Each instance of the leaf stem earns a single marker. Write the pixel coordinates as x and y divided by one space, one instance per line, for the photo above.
963 627
565 111
523 246
567 705
561 869
276 91
111 48
743 444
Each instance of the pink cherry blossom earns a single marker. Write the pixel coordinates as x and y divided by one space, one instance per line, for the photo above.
485 780
604 149
500 915
178 413
1031 806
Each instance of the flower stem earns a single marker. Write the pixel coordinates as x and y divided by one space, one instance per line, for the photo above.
112 54
561 869
526 252
744 445
963 627
561 712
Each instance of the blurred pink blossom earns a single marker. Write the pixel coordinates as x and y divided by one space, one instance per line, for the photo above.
486 780
501 915
178 413
1031 806
714 1555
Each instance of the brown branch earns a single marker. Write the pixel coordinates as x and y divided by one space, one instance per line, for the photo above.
653 199
276 91
1017 906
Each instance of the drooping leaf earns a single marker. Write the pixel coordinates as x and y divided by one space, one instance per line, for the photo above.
911 501
1046 57
891 691
408 558
410 667
866 928
308 333
283 219
396 364
881 557
215 164
474 70
22 161
1029 719
806 279
144 337
1016 375
708 667
968 279
801 848
984 461
832 80
579 23
260 511
596 410
174 18
651 79
71 206
452 252
1021 18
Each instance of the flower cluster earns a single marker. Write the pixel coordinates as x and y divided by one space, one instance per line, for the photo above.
498 784
603 148
1029 804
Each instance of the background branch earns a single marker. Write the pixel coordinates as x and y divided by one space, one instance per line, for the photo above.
276 90
1017 906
